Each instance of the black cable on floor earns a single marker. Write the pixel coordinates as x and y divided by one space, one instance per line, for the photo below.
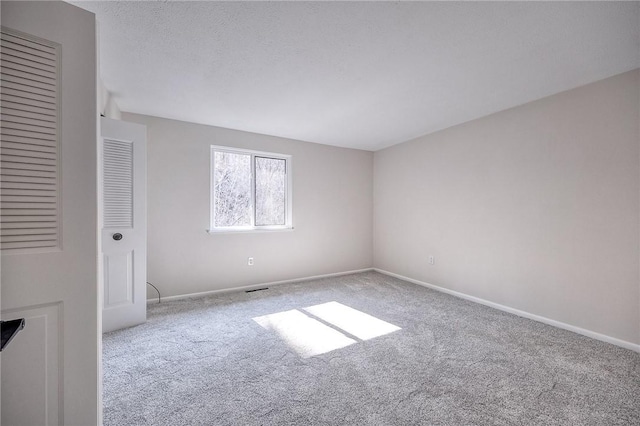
156 290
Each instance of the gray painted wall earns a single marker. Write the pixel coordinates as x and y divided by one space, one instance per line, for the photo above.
332 212
535 207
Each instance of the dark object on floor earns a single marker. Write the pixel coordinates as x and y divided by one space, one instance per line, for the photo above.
9 330
159 300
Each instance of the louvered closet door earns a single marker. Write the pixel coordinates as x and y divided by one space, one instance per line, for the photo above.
29 221
29 145
124 223
49 213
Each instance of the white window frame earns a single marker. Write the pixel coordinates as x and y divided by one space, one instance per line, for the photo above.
253 227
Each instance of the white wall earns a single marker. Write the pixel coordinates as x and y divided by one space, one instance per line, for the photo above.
535 208
332 212
107 105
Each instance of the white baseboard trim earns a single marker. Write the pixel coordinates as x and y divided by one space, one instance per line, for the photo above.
255 286
562 325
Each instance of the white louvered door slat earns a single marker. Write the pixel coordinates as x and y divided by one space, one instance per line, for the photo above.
29 139
118 184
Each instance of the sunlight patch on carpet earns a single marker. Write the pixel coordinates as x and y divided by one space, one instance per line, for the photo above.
309 336
305 335
353 321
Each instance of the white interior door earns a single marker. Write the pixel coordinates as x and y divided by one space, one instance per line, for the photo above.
49 231
124 235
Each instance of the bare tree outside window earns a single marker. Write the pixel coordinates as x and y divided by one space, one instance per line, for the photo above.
232 189
270 191
250 190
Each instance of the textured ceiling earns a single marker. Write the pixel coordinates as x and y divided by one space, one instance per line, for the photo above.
360 75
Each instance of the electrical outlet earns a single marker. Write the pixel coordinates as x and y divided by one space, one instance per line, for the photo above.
432 260
250 261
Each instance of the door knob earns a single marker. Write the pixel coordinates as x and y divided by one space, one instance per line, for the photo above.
117 236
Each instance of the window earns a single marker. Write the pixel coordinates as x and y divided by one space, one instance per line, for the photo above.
250 190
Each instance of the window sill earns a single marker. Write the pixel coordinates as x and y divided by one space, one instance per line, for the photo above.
248 231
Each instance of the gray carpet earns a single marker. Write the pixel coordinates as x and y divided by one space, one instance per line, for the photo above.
205 361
